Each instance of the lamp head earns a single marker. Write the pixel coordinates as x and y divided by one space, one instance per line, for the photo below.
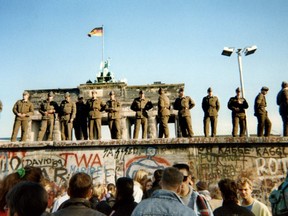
250 50
227 51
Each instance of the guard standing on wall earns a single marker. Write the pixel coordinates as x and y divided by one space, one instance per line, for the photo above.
113 108
141 105
95 107
282 102
22 109
183 104
163 113
80 121
210 106
238 104
48 108
67 114
264 122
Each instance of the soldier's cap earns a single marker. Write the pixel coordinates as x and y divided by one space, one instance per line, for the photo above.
141 92
50 94
209 89
238 89
80 96
181 90
264 88
111 93
284 84
67 94
25 93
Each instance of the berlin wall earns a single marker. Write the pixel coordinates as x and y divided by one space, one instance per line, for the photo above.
210 159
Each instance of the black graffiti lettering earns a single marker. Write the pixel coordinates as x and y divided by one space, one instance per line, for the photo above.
60 173
15 163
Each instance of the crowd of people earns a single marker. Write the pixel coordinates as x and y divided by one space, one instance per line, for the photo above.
171 191
84 117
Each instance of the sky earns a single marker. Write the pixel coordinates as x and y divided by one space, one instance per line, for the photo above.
44 45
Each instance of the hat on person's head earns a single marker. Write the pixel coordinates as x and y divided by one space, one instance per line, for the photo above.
238 89
284 84
201 185
181 90
209 89
141 92
67 94
264 88
25 93
80 96
111 93
50 94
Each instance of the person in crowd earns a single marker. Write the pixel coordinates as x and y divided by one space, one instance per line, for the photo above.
63 196
141 105
166 199
216 198
210 106
260 105
27 199
163 113
230 204
125 203
79 190
48 108
237 105
202 189
190 197
113 108
111 194
245 188
139 178
156 183
80 121
28 173
282 102
23 110
67 113
95 107
183 104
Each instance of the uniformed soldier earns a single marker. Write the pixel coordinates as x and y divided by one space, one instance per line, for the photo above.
141 105
113 108
210 106
48 108
264 122
67 113
95 107
183 104
22 109
282 102
163 113
80 121
238 104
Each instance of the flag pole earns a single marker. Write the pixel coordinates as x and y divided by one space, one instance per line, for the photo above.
103 50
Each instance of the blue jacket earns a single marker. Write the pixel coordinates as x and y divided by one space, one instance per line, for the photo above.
163 202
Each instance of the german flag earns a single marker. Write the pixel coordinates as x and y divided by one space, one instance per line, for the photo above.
96 32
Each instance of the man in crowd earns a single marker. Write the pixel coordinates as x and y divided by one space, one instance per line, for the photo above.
260 105
163 113
165 201
80 121
282 102
48 108
183 104
113 108
210 106
22 109
141 105
95 107
245 188
67 113
238 104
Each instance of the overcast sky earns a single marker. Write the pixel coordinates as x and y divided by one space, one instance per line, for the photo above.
44 44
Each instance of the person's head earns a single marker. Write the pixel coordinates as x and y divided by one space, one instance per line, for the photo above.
80 186
140 176
27 199
26 95
161 91
124 188
184 169
181 92
111 188
172 179
67 96
80 98
158 175
228 190
141 94
112 95
201 186
264 90
50 96
148 184
238 92
284 84
94 94
245 187
210 91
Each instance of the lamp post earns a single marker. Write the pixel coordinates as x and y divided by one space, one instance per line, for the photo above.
227 51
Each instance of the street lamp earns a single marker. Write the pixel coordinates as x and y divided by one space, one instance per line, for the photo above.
227 51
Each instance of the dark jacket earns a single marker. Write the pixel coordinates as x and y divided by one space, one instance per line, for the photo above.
238 106
229 208
260 105
282 101
124 207
77 207
183 105
141 106
210 105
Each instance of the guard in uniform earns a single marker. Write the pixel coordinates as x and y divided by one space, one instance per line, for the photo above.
264 122
282 102
80 121
48 108
113 108
163 113
183 104
141 105
95 107
22 109
238 105
210 106
67 115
